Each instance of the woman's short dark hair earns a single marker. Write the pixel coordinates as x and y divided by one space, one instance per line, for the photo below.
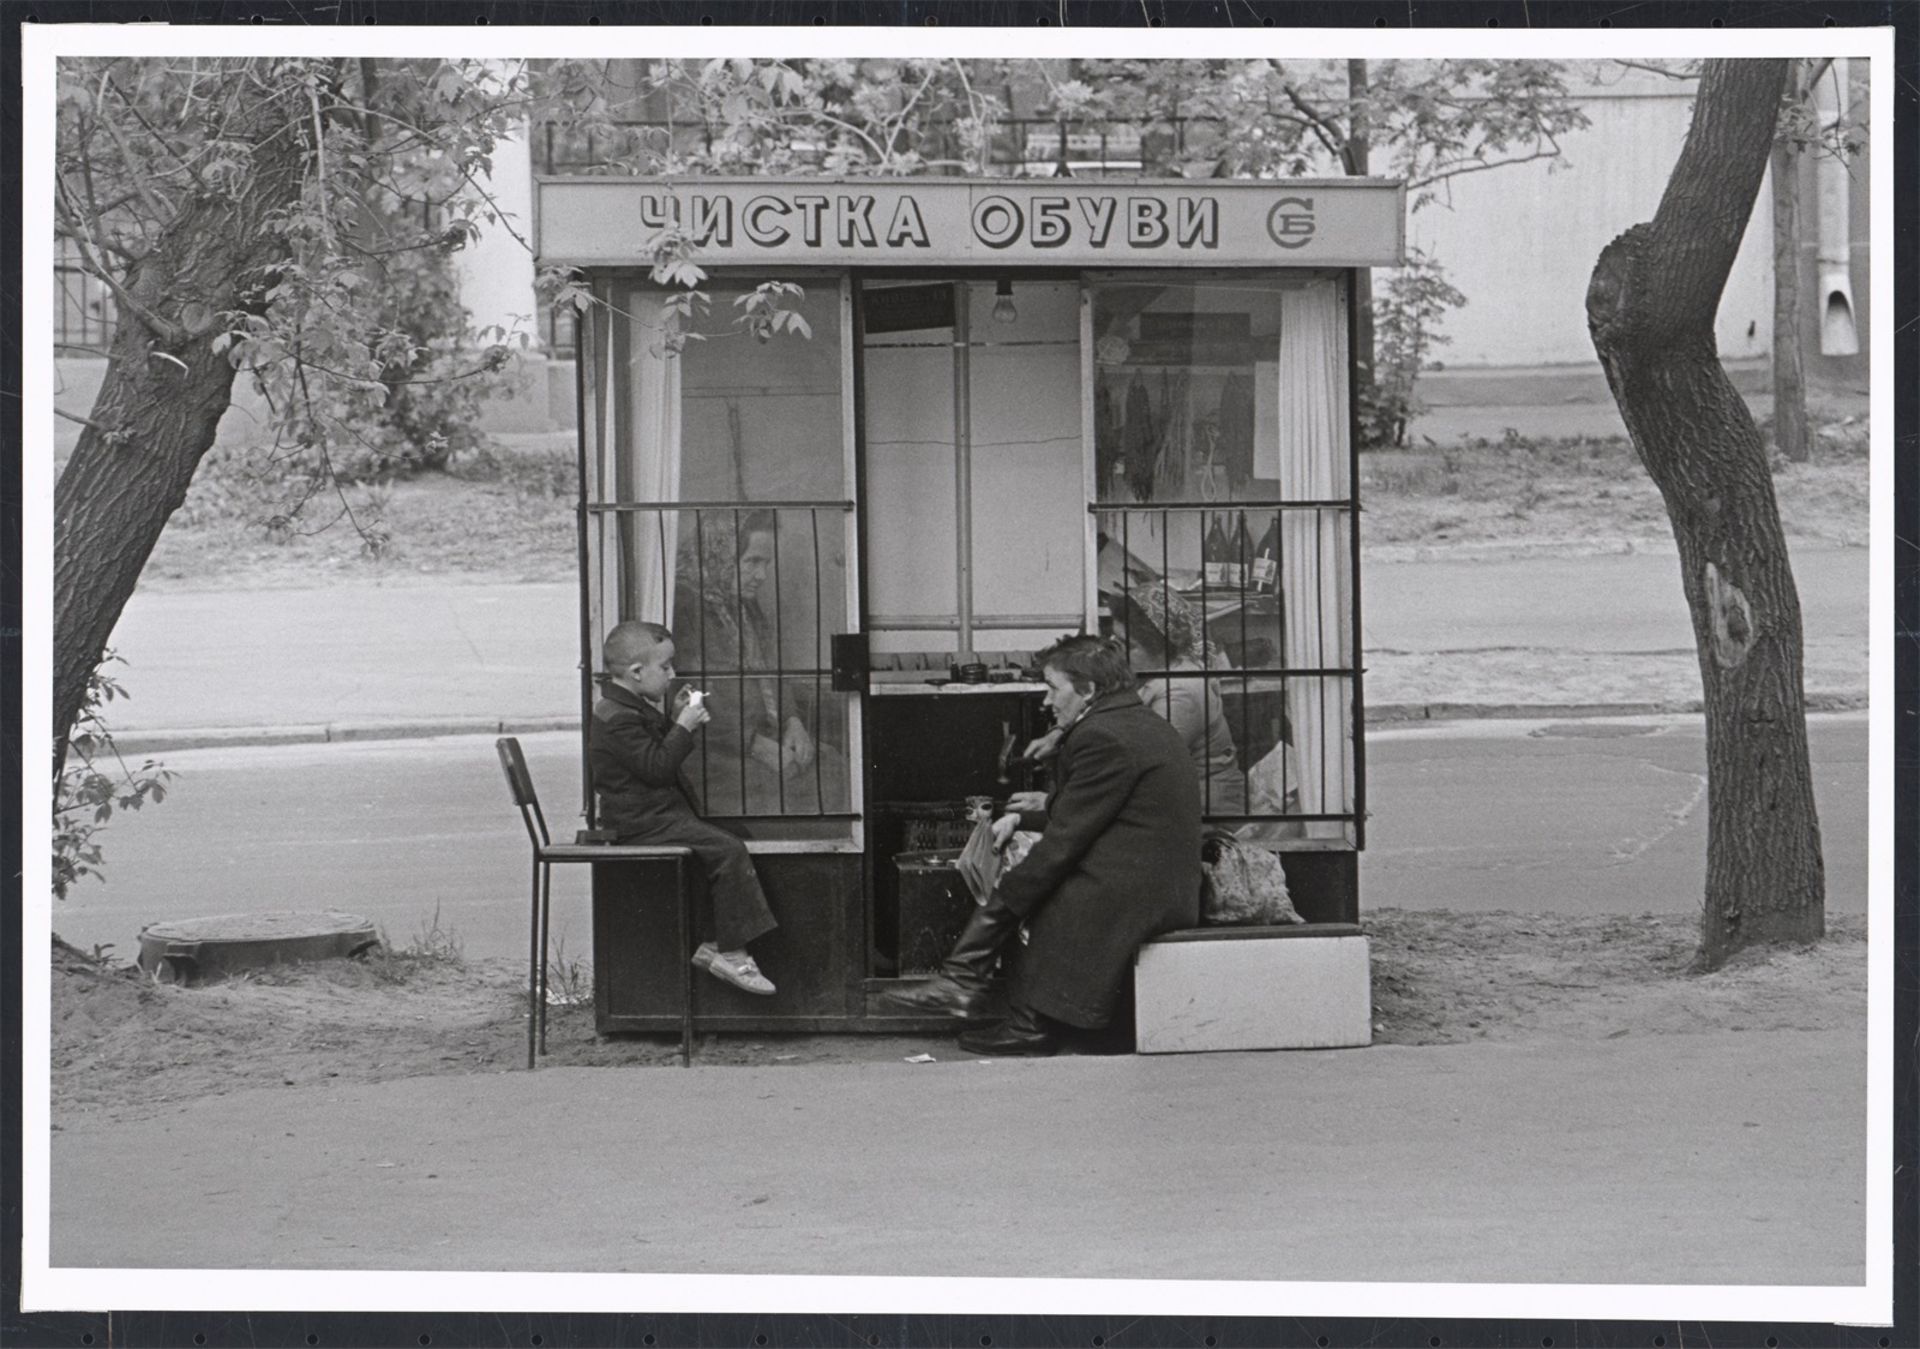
1095 665
758 521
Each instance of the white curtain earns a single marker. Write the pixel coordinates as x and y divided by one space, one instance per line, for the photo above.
1314 547
655 466
602 417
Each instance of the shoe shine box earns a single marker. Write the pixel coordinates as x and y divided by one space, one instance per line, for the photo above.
934 906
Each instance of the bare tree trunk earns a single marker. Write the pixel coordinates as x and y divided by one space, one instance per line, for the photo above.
160 403
1650 308
1357 155
1789 365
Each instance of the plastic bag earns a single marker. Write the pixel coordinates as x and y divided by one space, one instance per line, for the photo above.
1242 884
981 864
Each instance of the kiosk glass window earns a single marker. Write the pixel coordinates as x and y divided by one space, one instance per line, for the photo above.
1224 520
723 509
974 491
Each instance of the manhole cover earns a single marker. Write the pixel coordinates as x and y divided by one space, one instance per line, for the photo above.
197 948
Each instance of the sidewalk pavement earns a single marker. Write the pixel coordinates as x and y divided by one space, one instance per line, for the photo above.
1526 636
1735 1159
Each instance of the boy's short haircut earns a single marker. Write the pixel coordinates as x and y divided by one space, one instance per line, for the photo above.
630 641
1095 665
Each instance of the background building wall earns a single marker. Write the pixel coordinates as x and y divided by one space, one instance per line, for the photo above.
1521 242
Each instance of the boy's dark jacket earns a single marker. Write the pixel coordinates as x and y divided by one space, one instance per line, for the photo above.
638 755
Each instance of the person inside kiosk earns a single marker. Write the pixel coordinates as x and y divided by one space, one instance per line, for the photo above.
1117 863
638 754
761 751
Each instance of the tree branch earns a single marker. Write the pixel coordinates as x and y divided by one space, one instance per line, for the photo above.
111 435
134 111
1461 167
167 332
306 363
1324 130
1670 72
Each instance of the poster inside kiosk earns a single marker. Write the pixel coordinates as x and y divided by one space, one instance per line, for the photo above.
1347 222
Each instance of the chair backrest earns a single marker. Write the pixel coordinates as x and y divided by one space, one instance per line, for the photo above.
520 786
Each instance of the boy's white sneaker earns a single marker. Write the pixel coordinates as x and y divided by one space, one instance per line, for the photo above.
733 967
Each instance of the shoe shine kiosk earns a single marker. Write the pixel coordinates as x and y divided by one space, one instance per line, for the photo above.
905 434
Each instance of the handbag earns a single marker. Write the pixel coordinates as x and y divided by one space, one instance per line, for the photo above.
1242 884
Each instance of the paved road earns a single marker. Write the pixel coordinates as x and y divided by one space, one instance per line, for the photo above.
1735 1159
1581 817
371 653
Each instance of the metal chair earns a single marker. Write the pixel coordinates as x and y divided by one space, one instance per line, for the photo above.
545 854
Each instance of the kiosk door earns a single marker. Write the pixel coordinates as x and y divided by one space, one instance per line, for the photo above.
975 548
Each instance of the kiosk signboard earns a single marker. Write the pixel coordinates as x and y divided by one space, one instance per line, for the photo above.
1341 222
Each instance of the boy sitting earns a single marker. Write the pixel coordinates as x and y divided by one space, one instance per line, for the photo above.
636 750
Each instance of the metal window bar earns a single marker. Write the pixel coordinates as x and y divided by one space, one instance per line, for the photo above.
1322 672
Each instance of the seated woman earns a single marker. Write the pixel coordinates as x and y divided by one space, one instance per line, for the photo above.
1117 863
761 755
1164 643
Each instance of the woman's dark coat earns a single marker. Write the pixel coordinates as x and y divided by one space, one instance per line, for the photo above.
1118 863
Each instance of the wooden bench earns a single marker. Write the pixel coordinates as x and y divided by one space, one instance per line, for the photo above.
1300 986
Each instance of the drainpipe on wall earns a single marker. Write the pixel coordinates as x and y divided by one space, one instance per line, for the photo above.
1838 336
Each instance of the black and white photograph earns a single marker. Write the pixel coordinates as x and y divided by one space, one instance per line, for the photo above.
1193 672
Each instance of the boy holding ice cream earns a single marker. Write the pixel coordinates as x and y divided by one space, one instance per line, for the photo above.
637 750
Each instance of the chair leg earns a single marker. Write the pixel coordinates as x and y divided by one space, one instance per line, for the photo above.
533 968
546 924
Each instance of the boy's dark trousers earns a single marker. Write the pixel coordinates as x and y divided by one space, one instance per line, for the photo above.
740 911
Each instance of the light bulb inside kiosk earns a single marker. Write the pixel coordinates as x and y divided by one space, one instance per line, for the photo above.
1003 310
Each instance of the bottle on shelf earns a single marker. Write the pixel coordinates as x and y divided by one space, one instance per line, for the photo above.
1240 566
1216 554
1266 558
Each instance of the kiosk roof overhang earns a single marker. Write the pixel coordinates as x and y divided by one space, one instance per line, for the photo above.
975 222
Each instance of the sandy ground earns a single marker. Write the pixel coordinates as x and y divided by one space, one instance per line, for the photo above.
125 1046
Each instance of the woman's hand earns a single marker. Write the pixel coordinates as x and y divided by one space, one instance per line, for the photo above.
1003 829
1044 746
1027 803
766 752
796 746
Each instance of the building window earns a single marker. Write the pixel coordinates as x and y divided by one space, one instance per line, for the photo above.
83 308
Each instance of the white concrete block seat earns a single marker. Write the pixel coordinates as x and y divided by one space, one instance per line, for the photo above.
1301 986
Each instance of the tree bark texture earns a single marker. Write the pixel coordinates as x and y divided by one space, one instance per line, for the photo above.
1790 434
161 399
1357 156
1650 309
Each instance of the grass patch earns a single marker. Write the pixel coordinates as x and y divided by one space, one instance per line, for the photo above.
432 949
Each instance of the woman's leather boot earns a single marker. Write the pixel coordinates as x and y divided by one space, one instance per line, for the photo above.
1024 1034
963 976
